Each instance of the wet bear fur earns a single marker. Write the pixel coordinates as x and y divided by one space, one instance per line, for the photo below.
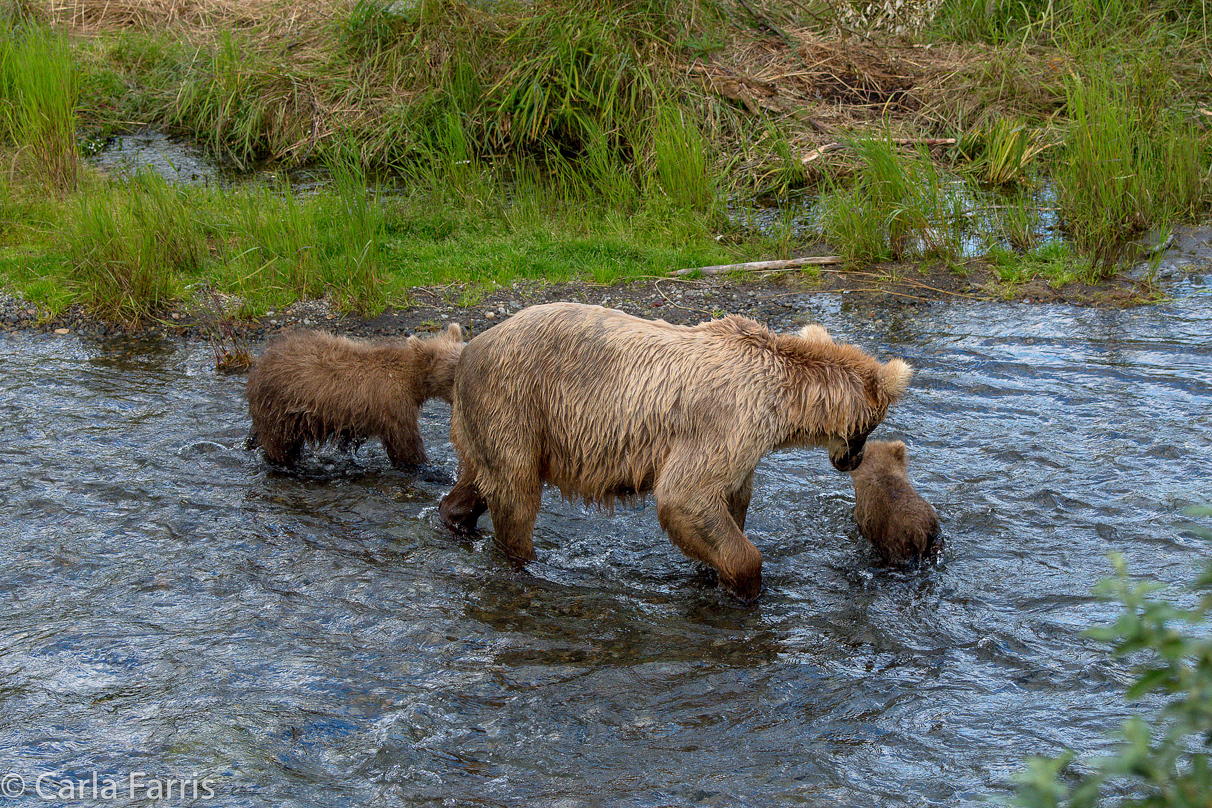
311 386
604 405
890 513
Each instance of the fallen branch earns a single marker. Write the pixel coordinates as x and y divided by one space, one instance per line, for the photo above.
820 151
756 266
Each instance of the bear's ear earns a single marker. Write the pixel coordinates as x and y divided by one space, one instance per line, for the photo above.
454 332
816 332
894 378
898 450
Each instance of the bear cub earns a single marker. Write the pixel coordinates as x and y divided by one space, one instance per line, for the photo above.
890 513
311 386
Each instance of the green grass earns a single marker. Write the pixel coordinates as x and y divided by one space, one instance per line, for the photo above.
39 87
683 161
1128 163
1002 152
1074 24
274 247
1055 262
576 139
424 90
242 99
126 249
896 206
1020 220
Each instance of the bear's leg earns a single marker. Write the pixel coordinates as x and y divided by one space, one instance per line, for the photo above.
738 501
514 527
282 446
513 515
404 446
463 506
703 528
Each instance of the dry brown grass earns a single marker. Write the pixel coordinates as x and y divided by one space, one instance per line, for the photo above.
823 89
90 16
816 89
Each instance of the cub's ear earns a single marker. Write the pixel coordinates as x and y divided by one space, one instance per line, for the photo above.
898 450
454 332
816 332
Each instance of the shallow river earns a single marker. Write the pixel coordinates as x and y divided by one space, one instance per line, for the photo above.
174 609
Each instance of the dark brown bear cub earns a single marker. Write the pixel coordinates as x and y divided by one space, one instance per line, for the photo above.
890 513
311 386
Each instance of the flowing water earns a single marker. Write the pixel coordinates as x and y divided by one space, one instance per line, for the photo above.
175 610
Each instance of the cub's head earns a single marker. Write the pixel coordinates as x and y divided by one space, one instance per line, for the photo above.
442 352
899 522
881 457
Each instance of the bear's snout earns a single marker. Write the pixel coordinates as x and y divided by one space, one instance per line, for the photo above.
847 462
851 455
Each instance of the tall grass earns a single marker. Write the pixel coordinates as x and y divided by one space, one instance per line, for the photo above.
786 171
39 85
579 75
437 89
130 246
1128 164
993 21
683 160
895 207
1003 151
1075 24
240 102
276 247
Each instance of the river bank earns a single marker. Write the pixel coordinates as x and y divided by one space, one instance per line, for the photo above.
764 296
1022 146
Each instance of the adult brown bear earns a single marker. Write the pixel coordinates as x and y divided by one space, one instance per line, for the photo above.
603 405
312 386
890 513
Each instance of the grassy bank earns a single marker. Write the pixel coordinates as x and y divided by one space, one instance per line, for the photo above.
124 248
592 139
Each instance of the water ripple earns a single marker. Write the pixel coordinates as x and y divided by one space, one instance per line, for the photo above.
178 608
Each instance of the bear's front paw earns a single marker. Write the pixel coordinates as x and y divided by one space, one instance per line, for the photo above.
745 589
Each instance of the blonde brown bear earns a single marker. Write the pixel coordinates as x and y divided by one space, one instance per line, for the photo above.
890 513
603 405
311 386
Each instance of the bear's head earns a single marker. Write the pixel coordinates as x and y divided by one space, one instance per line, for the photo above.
884 385
881 456
855 398
441 353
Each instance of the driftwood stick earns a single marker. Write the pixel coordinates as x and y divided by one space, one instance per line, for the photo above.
755 266
820 151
